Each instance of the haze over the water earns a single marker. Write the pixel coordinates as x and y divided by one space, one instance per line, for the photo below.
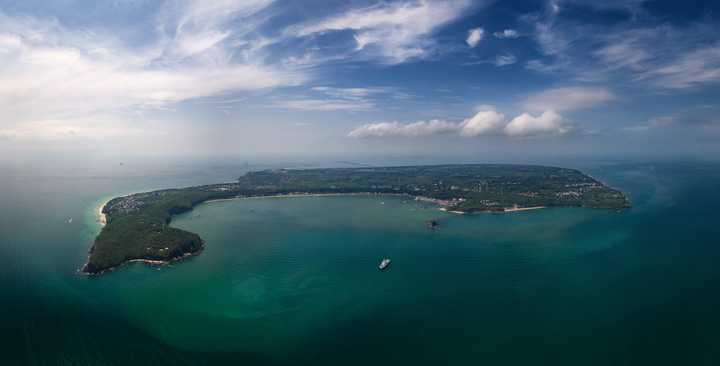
460 79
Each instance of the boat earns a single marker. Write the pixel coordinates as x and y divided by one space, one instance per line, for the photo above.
70 220
384 264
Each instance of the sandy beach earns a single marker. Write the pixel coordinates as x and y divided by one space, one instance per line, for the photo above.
516 209
102 218
451 211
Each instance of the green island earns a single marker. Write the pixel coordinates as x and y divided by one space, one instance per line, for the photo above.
137 226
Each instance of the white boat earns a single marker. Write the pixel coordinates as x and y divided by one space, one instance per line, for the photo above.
384 264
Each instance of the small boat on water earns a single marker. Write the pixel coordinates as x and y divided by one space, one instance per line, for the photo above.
384 264
70 220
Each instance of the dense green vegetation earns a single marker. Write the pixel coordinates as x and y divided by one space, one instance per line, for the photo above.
138 225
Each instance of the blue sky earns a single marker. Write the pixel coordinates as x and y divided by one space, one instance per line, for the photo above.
457 77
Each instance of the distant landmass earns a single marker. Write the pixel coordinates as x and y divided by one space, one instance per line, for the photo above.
137 226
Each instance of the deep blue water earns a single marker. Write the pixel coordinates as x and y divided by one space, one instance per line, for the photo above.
294 281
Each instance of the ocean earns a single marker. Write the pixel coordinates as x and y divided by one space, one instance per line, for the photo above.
291 281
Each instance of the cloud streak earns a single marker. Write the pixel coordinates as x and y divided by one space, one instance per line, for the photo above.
567 99
393 32
325 105
505 60
663 55
396 129
507 34
328 98
701 66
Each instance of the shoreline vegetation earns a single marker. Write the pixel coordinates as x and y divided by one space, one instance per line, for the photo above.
135 228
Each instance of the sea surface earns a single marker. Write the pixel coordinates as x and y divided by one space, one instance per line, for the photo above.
294 281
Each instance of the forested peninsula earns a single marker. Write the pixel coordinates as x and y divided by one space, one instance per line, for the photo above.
138 225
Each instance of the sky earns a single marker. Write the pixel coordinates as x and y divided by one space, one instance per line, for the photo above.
458 78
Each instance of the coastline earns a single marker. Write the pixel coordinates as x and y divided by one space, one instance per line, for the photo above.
518 209
441 203
444 209
443 206
102 217
146 216
149 262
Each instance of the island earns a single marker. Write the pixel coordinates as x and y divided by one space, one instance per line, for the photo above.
137 226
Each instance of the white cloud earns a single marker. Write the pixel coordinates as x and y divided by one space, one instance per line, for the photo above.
328 98
507 33
526 125
540 66
660 55
499 60
482 123
474 37
567 98
626 52
197 26
486 122
396 32
504 60
325 105
359 93
51 72
551 41
395 129
663 56
67 77
701 66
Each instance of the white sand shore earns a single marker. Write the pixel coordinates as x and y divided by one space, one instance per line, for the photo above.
451 211
102 218
222 199
516 209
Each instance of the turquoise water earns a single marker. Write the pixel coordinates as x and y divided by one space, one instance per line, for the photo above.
295 280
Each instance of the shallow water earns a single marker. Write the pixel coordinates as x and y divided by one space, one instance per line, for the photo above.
295 280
